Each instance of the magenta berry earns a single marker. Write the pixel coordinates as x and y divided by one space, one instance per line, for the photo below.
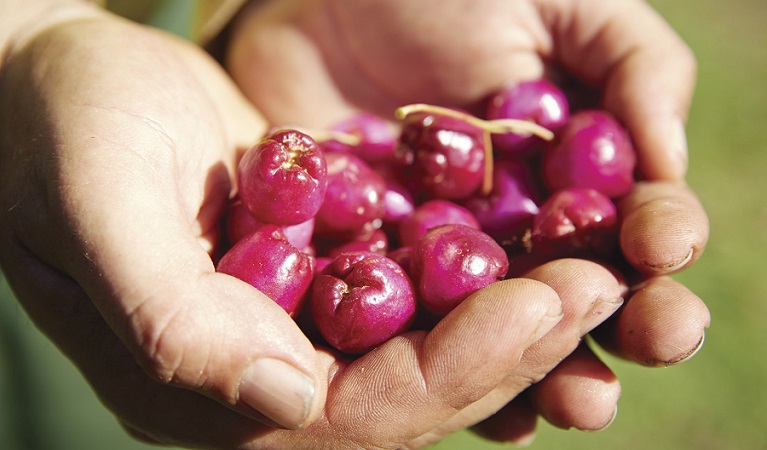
451 262
373 242
267 261
282 179
431 214
592 150
354 200
402 256
375 138
399 201
240 223
361 300
539 101
576 221
444 154
508 210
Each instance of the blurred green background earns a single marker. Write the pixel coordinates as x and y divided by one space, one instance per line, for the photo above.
717 400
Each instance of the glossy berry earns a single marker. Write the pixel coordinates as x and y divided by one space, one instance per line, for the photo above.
445 155
283 178
375 138
431 214
508 210
539 101
576 222
267 261
592 150
361 300
451 262
354 200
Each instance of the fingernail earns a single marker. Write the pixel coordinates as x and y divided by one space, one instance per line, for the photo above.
277 390
679 150
524 441
609 422
599 312
690 354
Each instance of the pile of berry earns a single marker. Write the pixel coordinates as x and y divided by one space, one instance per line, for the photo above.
365 227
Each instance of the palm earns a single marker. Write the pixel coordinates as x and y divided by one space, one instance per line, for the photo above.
379 55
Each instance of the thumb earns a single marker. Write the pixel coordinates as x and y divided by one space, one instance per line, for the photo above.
128 241
192 327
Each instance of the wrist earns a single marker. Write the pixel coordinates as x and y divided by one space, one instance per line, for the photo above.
24 19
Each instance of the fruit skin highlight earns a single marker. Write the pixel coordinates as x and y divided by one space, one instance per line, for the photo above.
268 262
451 262
360 300
283 178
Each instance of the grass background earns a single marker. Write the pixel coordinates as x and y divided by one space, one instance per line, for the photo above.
718 400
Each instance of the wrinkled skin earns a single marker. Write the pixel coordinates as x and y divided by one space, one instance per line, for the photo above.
109 214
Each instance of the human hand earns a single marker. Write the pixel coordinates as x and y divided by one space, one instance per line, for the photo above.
117 159
377 55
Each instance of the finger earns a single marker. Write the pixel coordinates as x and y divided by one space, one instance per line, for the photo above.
200 330
589 293
417 381
581 392
149 410
661 324
674 218
281 70
514 423
647 72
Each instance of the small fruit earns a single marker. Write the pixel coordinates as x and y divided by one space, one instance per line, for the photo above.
283 178
361 300
430 214
592 150
267 261
451 262
539 101
354 199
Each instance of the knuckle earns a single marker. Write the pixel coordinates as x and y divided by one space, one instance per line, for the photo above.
168 348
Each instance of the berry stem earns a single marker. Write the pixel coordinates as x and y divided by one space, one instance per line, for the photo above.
489 127
498 126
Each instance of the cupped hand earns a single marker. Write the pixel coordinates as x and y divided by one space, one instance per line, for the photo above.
118 144
313 63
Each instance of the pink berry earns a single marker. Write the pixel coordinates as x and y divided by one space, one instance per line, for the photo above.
539 101
240 223
508 210
354 200
361 300
430 214
376 138
267 261
373 242
576 222
282 179
451 262
398 199
444 154
592 150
